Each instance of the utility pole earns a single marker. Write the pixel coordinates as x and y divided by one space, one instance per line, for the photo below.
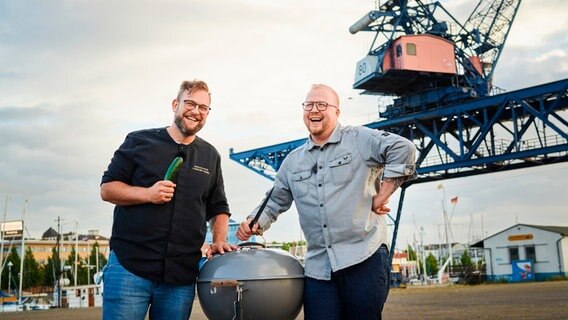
76 251
58 264
2 245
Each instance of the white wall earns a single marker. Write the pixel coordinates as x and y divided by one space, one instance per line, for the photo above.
543 241
564 255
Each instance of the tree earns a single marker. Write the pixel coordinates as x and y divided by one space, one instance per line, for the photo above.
49 270
102 261
32 275
431 265
70 262
88 267
14 258
465 259
411 254
287 245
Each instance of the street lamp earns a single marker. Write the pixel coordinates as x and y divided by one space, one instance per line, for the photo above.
10 264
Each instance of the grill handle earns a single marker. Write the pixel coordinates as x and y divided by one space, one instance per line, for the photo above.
257 216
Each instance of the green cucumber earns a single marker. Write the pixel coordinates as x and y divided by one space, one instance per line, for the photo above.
173 169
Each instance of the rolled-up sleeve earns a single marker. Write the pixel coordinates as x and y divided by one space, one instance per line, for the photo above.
396 153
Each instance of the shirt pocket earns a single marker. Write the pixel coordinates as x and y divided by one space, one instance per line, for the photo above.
341 169
301 183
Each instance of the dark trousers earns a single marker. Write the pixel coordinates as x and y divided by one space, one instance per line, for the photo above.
358 292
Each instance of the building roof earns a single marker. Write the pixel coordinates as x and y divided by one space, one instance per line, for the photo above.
49 233
557 229
85 237
562 230
400 255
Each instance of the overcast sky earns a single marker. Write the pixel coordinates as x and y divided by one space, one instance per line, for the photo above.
77 76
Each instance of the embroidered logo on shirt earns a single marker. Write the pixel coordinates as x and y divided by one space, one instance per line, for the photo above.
200 169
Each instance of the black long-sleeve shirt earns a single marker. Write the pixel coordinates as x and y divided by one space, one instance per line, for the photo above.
162 242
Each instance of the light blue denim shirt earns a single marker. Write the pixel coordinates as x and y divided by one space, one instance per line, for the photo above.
333 186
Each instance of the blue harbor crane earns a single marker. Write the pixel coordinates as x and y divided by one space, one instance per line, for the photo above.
440 74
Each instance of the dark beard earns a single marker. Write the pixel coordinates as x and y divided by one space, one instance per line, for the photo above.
183 130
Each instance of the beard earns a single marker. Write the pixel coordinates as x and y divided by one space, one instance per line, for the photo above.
185 131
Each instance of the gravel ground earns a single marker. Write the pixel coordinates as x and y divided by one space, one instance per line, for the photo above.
538 300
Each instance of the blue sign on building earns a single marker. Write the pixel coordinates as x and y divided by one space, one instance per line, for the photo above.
522 270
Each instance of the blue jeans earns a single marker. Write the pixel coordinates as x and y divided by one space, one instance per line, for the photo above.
128 296
357 292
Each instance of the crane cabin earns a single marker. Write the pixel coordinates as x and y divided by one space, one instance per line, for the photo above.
408 64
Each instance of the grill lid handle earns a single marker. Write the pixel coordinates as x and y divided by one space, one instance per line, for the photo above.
257 216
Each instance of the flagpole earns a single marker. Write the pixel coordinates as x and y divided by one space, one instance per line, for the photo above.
2 247
446 223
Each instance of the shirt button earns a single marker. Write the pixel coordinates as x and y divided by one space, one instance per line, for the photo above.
321 204
329 247
319 184
321 149
325 225
320 167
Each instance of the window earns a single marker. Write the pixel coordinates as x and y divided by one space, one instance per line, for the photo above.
530 253
398 50
411 49
513 254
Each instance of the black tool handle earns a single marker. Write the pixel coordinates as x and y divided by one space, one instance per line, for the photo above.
255 219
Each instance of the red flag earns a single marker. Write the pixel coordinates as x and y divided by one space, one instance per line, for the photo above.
454 200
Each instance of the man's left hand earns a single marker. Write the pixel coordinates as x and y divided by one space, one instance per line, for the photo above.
219 247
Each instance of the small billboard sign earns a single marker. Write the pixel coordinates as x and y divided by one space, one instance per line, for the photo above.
12 229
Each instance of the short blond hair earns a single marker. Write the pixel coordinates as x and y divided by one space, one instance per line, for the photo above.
192 85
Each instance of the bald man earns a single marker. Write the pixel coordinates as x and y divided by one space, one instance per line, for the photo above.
341 180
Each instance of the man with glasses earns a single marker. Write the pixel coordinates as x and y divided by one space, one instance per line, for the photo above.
340 180
160 220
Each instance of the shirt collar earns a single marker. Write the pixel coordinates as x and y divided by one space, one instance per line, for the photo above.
333 138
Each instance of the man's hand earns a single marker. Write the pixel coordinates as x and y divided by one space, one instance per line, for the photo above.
385 190
245 232
219 247
380 205
161 192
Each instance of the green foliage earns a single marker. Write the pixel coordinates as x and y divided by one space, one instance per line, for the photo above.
411 254
431 265
48 272
287 245
465 259
14 258
69 266
32 272
46 275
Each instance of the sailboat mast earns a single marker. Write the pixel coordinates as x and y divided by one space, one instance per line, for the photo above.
23 252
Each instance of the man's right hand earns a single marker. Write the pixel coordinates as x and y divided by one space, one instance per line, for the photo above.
161 192
245 232
122 194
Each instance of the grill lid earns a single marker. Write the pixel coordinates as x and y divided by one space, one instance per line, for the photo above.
252 264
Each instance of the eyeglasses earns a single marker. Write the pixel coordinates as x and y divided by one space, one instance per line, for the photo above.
190 105
320 105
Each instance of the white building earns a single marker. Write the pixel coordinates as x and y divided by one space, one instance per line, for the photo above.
79 296
526 252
